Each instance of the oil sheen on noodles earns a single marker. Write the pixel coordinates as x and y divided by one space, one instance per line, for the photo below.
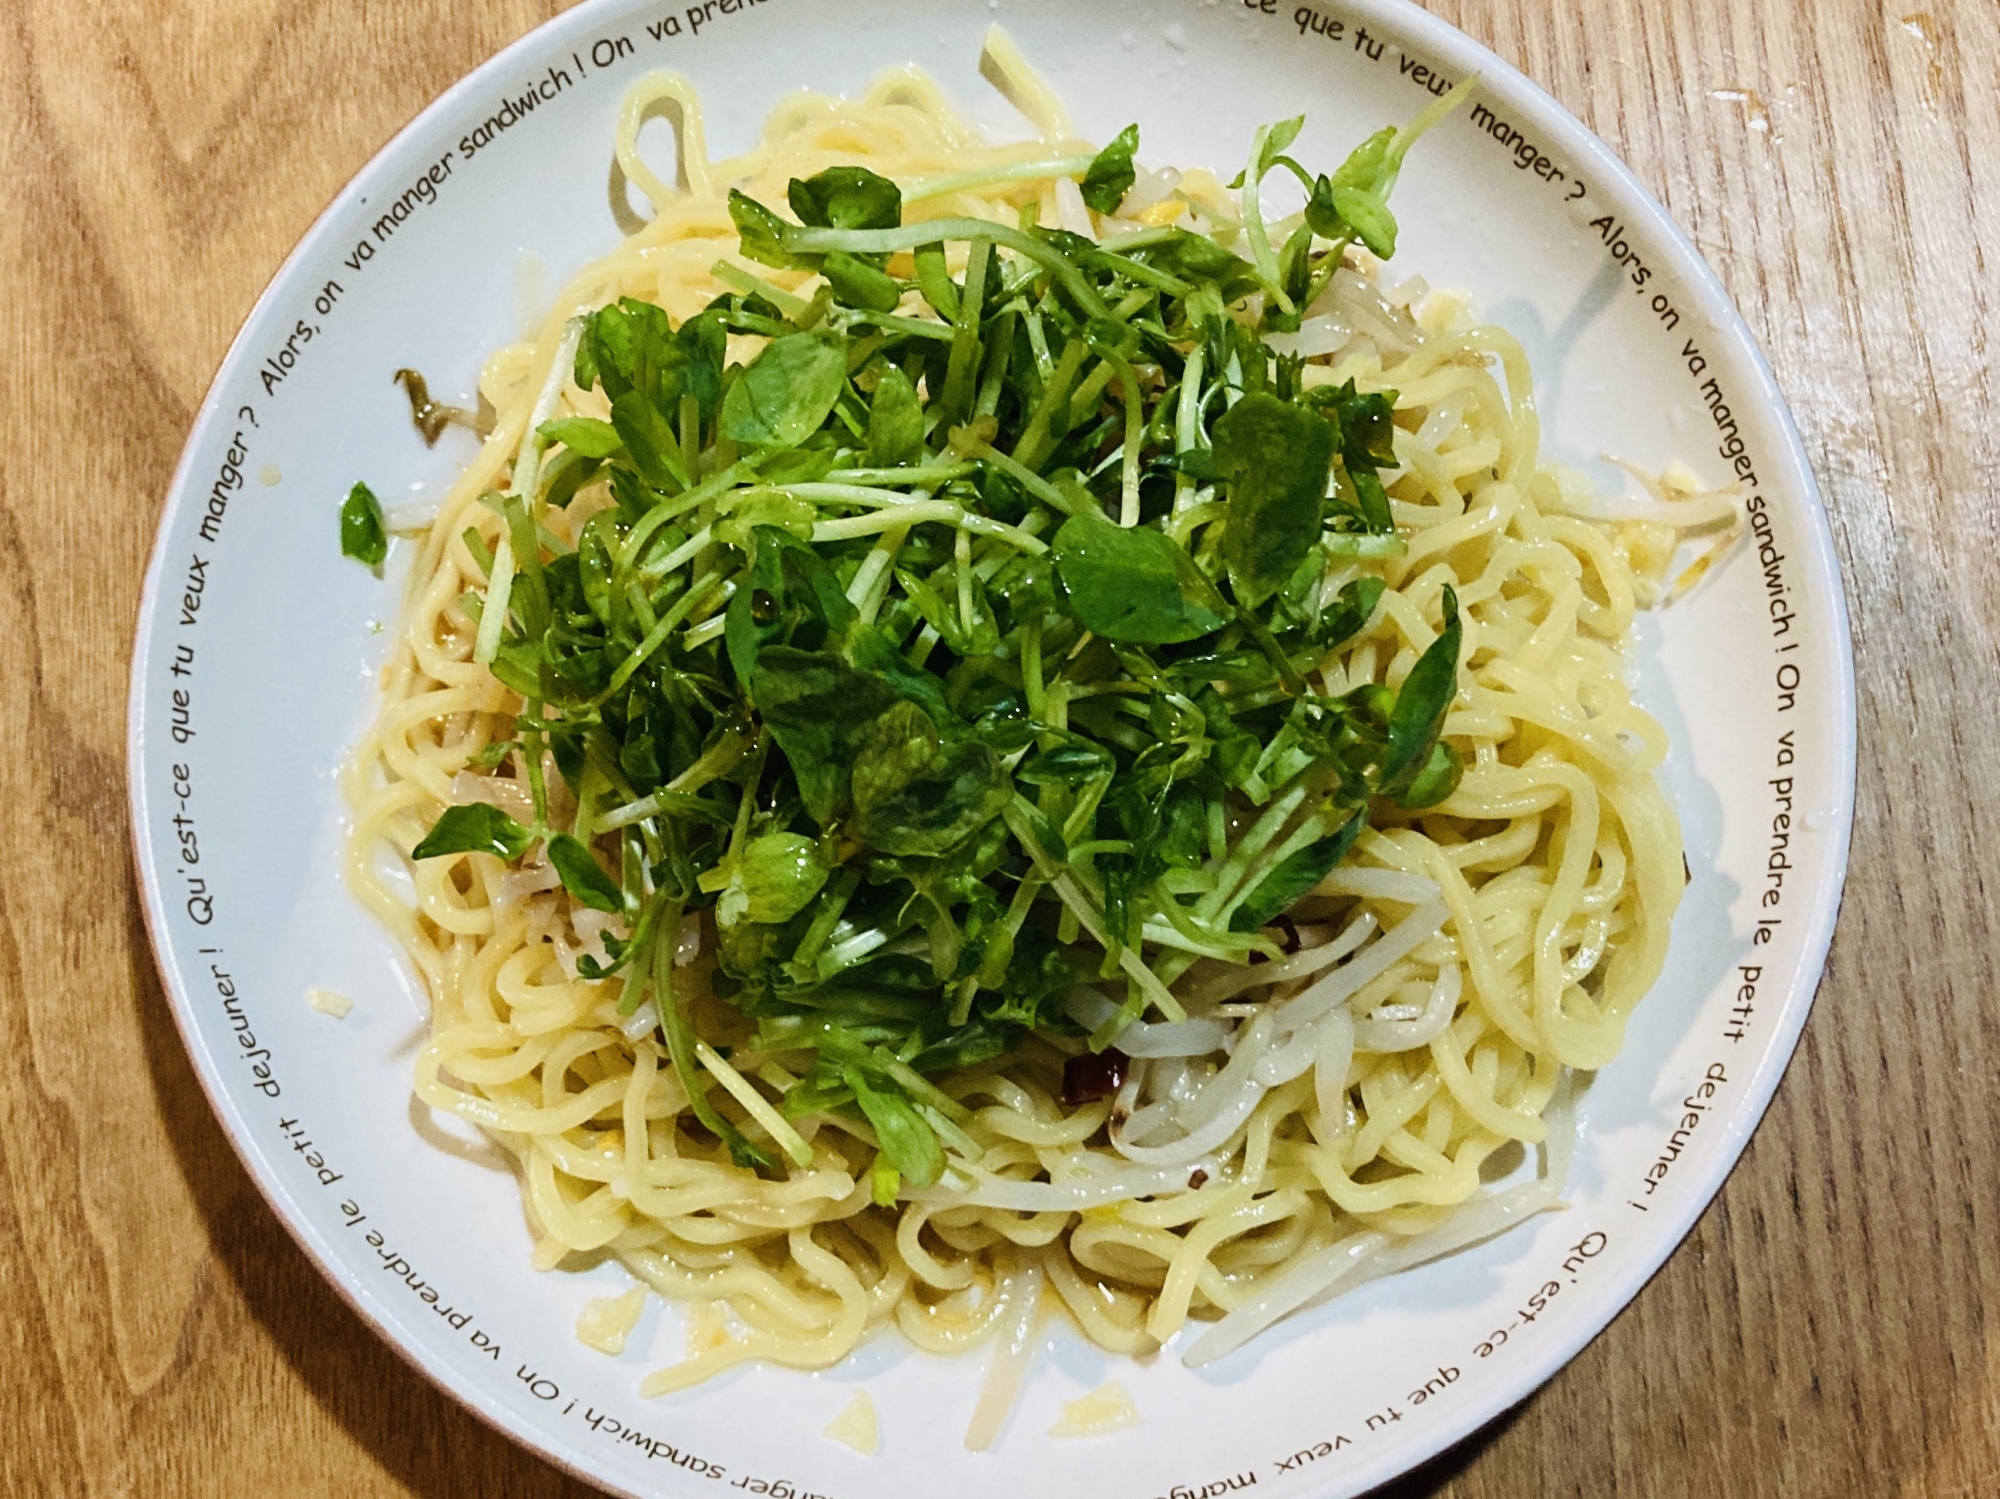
1314 1122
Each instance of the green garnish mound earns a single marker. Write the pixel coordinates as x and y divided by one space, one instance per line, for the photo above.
956 648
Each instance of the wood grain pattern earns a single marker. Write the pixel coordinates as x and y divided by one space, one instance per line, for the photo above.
1824 1331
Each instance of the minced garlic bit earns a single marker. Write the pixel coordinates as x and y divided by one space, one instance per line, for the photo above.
607 1321
1443 311
1697 569
1681 481
856 1425
1649 548
329 1002
707 1329
1105 1409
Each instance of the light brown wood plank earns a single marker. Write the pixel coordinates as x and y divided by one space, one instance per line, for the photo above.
1825 1329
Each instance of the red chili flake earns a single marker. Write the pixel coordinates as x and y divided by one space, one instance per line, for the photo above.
1089 1077
1287 936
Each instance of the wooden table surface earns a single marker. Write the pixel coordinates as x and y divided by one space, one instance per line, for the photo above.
1824 1330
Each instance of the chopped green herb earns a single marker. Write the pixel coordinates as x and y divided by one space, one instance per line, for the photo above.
895 420
1282 888
474 829
775 878
363 536
1135 585
582 434
1423 702
1274 457
847 198
1111 174
582 876
787 392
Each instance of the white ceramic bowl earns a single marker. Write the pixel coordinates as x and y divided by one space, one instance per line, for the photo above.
258 644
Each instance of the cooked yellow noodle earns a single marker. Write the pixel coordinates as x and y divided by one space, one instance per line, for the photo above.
1558 858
